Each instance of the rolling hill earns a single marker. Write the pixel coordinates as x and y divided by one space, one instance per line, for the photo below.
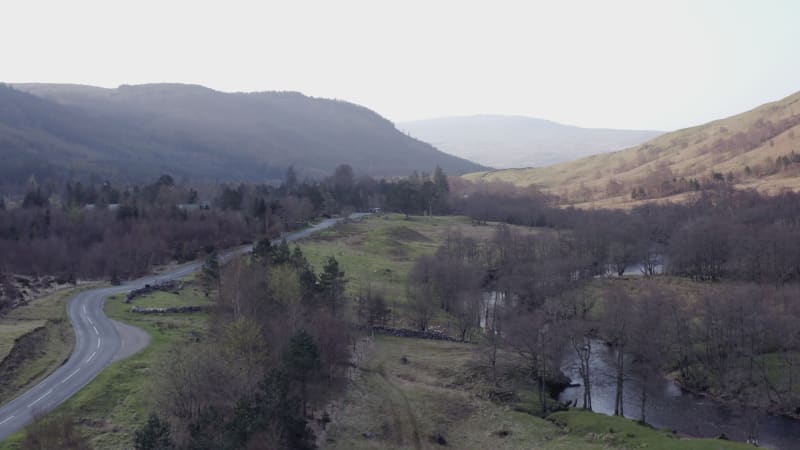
135 132
757 149
517 141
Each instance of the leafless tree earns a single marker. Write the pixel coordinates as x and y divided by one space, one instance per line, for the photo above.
538 338
649 345
617 325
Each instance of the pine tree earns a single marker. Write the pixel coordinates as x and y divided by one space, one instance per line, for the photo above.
263 250
301 359
210 274
333 283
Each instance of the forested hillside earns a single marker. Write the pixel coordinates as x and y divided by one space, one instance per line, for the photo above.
133 132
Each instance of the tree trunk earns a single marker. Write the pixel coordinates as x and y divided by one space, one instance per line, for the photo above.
542 395
583 349
303 393
587 381
494 360
619 409
644 397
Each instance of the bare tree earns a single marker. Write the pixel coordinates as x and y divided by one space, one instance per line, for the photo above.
420 290
54 431
467 311
537 337
648 344
617 324
580 340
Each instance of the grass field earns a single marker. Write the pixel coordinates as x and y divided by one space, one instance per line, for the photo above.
440 391
378 252
616 432
396 405
41 338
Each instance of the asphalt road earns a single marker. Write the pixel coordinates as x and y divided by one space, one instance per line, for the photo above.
99 341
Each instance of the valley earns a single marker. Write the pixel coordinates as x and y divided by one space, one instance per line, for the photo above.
555 225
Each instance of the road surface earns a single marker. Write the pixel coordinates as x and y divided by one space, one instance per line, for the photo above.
99 341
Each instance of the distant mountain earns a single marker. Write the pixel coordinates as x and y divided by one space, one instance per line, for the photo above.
757 149
137 132
516 141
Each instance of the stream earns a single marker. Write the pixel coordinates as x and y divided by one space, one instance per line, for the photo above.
671 408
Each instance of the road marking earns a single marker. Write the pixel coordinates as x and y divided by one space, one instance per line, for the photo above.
84 309
91 357
71 375
95 330
98 342
7 419
40 398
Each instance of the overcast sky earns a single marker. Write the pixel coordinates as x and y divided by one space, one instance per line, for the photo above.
622 64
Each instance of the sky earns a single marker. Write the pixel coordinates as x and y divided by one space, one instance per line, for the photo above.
618 64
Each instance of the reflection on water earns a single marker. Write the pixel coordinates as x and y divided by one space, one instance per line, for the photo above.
669 407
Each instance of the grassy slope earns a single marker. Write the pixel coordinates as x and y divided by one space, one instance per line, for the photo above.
45 323
682 151
402 405
10 330
113 405
439 391
377 253
624 433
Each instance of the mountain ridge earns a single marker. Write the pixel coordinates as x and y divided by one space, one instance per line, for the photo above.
759 149
191 131
506 141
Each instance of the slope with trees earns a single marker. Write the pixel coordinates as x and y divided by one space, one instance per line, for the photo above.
65 131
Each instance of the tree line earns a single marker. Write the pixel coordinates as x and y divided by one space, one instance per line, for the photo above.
723 234
102 231
537 296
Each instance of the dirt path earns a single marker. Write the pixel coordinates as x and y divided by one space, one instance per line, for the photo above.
406 410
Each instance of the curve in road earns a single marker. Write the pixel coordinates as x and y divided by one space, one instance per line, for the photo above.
99 341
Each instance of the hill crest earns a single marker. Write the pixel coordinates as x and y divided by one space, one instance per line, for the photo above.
190 131
757 149
503 141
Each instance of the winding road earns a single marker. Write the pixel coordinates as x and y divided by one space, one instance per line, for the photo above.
99 341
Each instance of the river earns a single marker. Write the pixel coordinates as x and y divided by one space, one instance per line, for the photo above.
671 408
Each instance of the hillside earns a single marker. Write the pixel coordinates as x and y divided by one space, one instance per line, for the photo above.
757 149
135 132
516 141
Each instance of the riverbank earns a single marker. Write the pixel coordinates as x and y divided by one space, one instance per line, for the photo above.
670 407
420 393
774 410
717 348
